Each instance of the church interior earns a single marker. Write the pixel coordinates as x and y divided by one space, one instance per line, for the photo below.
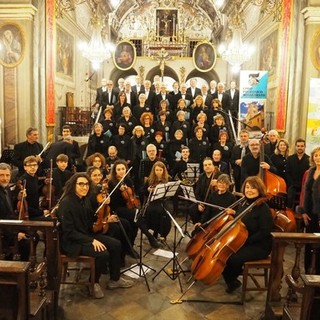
54 56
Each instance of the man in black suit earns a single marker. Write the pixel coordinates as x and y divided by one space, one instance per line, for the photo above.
193 89
233 92
138 87
207 97
30 147
184 94
223 97
163 95
131 96
238 152
150 95
7 212
174 95
67 132
213 87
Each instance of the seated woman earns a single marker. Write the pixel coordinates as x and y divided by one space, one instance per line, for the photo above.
259 223
155 217
106 221
77 237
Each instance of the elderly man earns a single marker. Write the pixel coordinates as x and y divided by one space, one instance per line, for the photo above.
251 162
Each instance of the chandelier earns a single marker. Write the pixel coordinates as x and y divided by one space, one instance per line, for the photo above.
97 50
236 53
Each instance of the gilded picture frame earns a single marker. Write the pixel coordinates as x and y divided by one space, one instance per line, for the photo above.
315 50
204 56
124 56
12 44
64 54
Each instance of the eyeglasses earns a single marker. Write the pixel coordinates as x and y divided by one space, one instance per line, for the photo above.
254 144
83 184
31 165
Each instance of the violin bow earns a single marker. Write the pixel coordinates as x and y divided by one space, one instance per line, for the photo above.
44 149
113 190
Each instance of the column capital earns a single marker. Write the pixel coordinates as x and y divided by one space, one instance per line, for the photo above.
311 15
17 11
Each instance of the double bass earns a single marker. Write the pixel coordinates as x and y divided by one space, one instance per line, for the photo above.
277 190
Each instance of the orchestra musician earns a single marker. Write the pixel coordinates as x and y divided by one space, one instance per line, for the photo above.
30 147
77 236
119 198
205 185
181 166
259 223
7 212
107 221
33 189
154 216
221 197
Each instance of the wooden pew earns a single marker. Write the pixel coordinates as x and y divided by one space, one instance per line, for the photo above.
51 238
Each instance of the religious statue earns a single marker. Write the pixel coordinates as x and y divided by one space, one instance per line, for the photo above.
162 58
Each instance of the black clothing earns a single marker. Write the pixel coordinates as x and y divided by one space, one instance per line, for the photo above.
215 132
103 98
182 125
129 123
109 125
123 145
224 200
23 150
56 148
98 144
7 212
250 166
164 128
199 149
117 111
137 111
259 223
59 179
280 162
174 146
294 173
225 150
236 155
77 218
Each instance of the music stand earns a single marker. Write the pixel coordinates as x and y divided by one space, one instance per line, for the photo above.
163 191
188 193
143 268
192 172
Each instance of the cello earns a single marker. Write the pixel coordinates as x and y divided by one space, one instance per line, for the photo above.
277 190
210 262
209 229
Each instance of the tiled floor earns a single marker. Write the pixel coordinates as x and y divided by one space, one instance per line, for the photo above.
138 303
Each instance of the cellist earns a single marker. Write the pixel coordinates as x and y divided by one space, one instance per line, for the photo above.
203 188
259 223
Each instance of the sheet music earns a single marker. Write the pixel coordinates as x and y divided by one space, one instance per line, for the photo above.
164 190
188 192
192 171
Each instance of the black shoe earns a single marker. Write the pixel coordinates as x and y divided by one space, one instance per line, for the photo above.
133 254
232 286
154 243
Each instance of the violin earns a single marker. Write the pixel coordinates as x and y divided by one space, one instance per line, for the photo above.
103 213
210 262
131 201
22 205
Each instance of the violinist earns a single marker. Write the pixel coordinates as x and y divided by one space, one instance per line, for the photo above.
33 189
221 197
259 223
119 198
7 212
106 221
204 187
77 237
155 217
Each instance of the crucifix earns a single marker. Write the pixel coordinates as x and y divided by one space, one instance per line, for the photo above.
162 57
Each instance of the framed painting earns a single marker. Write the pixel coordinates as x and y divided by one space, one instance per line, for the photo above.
12 44
64 54
204 56
124 55
269 53
315 50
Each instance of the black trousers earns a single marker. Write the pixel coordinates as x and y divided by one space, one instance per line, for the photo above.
112 254
236 261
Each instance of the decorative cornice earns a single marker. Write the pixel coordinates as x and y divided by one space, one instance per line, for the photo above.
311 15
17 11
